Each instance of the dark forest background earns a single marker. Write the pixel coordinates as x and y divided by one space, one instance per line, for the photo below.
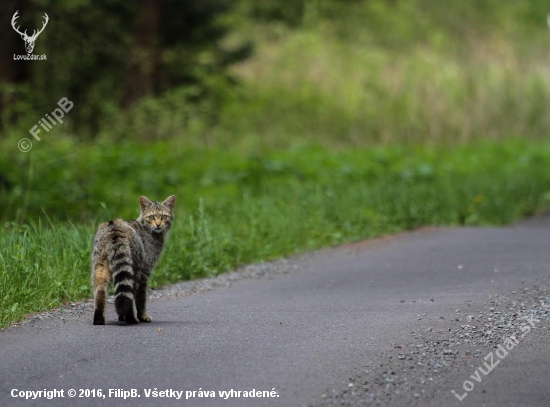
108 55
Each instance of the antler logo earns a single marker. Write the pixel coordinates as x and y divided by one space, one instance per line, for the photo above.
29 41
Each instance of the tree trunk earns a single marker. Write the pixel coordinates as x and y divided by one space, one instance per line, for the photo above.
144 66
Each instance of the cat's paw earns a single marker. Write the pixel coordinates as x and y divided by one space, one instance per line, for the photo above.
145 318
99 318
131 319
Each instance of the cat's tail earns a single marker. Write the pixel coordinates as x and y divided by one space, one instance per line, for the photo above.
121 268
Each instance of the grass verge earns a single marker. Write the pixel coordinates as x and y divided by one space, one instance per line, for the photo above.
233 209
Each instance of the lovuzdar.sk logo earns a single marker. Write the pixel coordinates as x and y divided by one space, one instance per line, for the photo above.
29 39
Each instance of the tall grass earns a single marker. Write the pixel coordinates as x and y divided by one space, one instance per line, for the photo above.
41 267
313 88
310 87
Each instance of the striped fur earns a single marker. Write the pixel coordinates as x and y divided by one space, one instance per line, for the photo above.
125 252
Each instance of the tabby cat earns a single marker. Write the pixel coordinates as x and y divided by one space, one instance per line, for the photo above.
127 252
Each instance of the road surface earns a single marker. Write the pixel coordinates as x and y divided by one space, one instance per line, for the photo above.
402 320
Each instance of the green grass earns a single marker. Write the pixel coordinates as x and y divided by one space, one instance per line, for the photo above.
235 209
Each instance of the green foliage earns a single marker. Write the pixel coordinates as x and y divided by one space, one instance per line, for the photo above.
320 91
405 23
232 209
354 72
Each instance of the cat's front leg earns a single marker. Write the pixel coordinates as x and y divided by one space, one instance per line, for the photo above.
141 300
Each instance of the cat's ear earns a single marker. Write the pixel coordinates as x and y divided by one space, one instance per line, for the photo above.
144 202
170 201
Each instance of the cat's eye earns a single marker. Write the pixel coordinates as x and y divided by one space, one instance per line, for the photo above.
151 217
164 217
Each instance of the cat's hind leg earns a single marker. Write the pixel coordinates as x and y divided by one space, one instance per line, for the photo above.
100 282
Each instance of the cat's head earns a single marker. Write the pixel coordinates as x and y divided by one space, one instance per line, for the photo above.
156 217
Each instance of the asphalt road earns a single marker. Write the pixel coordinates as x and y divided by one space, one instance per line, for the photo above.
310 334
